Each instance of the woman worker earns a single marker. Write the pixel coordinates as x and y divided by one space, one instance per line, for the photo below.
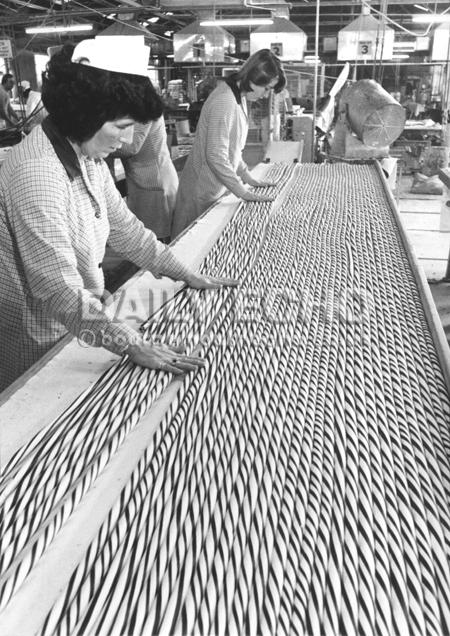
59 206
215 162
152 181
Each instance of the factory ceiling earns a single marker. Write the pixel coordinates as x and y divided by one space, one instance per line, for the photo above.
163 17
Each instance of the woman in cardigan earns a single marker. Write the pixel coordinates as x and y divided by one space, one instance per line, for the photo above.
59 206
215 162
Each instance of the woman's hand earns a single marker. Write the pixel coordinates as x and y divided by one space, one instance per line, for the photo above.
162 357
253 196
255 183
200 281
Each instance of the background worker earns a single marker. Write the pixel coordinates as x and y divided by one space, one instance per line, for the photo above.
7 112
215 162
152 180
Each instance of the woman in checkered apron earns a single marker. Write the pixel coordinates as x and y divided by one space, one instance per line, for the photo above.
59 206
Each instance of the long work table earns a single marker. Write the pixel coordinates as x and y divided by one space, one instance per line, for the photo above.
299 483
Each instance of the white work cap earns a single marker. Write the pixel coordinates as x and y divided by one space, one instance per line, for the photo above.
117 53
25 84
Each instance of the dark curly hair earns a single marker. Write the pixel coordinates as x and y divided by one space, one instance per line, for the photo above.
261 68
81 98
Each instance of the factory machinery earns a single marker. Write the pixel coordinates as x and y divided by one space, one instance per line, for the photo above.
299 483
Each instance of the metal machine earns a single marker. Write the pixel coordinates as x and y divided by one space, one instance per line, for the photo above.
368 121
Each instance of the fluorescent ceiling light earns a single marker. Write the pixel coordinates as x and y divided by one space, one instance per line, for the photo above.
237 22
153 20
59 29
400 56
419 6
431 17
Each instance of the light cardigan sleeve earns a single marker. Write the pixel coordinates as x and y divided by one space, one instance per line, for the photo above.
222 141
243 171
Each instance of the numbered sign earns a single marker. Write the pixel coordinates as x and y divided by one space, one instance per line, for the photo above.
277 48
365 48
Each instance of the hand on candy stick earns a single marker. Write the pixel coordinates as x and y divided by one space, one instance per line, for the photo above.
171 358
163 357
200 281
255 183
253 196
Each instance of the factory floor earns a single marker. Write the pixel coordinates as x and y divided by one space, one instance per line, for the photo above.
428 230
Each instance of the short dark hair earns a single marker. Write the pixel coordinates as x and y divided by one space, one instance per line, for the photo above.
261 68
81 98
6 77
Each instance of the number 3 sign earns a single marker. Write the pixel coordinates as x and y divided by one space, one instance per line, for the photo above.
365 48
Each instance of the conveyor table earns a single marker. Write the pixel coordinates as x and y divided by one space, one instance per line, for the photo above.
299 483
